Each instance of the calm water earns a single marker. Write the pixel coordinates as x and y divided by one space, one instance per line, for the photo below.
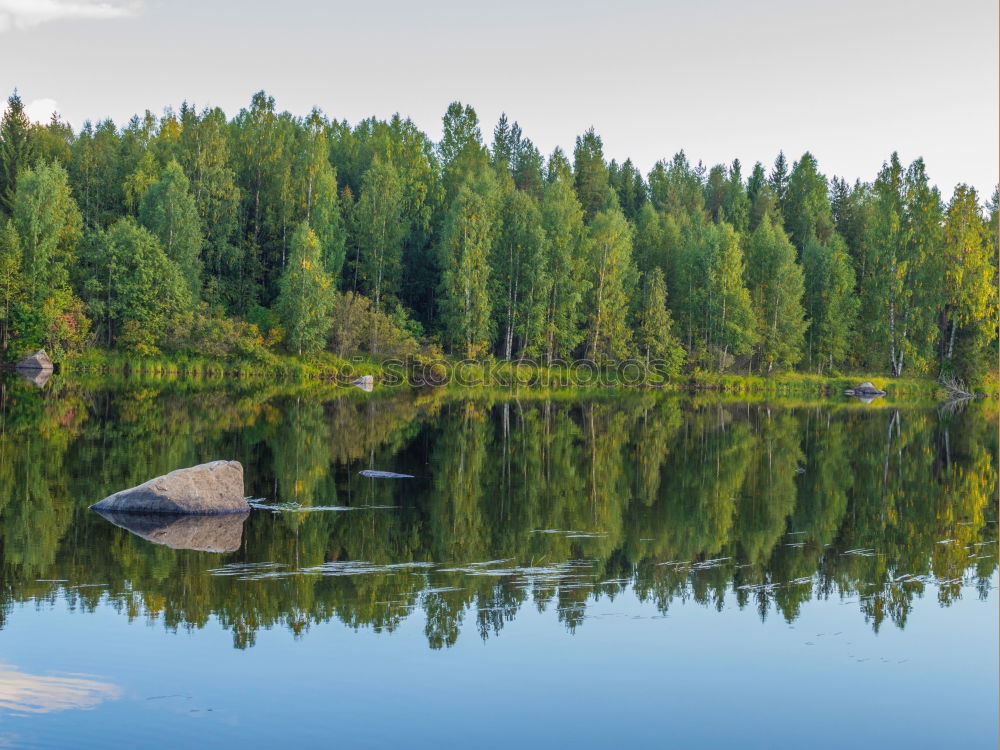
636 571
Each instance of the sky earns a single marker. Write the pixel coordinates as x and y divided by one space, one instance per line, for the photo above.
849 80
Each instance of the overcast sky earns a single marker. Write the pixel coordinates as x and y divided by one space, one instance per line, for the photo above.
849 80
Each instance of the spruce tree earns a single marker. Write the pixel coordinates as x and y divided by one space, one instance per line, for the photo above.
17 150
654 332
591 174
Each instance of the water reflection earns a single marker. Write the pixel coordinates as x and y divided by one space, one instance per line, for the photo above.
23 693
539 502
215 533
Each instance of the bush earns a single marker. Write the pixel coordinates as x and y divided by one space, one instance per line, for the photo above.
357 327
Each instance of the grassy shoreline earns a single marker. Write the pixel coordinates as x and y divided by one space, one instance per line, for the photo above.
489 375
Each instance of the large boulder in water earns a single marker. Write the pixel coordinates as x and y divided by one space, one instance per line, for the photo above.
215 487
37 361
218 533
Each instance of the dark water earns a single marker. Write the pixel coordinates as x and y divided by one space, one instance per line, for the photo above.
634 570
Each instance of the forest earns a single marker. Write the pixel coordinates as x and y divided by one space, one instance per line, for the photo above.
269 234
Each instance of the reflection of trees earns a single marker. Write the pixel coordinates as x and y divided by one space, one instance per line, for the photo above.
550 501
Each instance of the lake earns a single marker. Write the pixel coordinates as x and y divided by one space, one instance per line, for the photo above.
594 570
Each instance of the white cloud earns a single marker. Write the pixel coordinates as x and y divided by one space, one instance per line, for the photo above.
40 110
23 14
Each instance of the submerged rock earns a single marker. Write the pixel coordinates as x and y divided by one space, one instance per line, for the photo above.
37 361
215 487
865 391
216 533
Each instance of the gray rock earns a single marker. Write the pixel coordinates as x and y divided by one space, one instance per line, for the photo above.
37 361
865 390
365 383
36 377
215 487
218 533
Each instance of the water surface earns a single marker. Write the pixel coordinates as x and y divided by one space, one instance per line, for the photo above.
627 569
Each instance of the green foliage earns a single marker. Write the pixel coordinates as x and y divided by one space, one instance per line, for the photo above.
466 245
562 218
593 183
830 301
133 291
47 222
17 150
168 210
776 285
731 324
806 203
379 231
491 252
355 324
611 286
654 334
519 275
306 295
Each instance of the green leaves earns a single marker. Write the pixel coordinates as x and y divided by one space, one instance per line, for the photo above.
306 294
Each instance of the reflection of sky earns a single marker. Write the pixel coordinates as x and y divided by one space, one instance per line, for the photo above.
41 694
628 677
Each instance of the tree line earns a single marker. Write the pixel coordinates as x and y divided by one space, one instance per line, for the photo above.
195 232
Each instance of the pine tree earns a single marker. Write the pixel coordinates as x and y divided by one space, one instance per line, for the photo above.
502 152
736 203
168 211
591 174
17 151
306 294
778 180
654 333
806 204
